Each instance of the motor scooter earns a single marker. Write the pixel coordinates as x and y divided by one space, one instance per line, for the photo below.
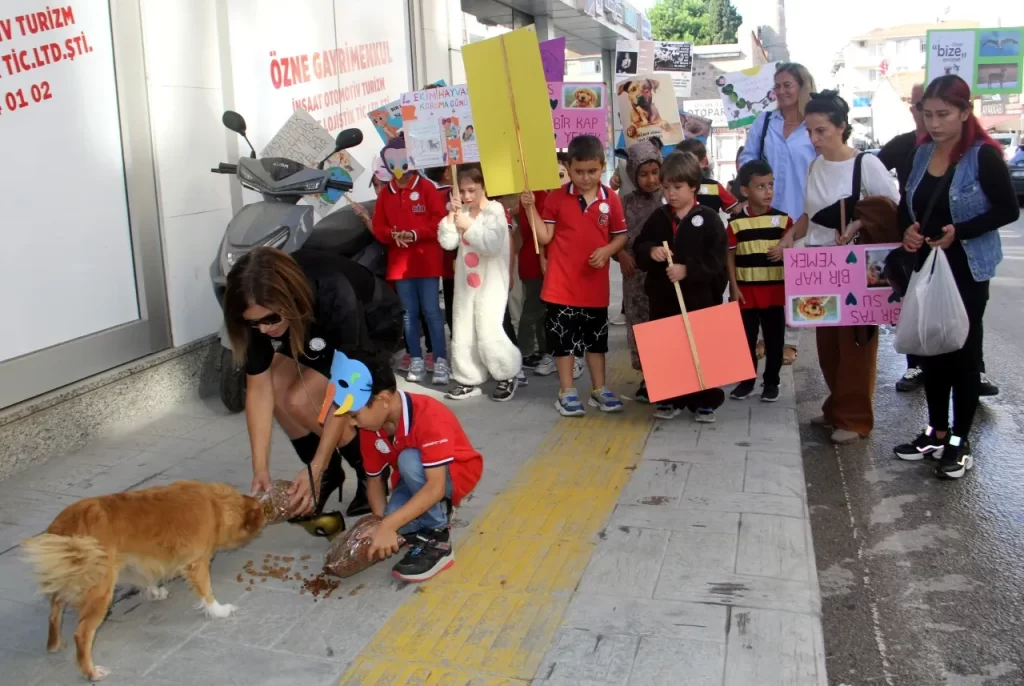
279 221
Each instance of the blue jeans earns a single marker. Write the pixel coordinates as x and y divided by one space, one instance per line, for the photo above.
413 477
421 296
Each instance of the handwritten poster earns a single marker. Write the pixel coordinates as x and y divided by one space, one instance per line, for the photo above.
839 286
552 56
746 94
647 108
438 126
578 109
388 119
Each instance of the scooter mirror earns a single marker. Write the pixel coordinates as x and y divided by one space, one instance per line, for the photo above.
349 138
233 121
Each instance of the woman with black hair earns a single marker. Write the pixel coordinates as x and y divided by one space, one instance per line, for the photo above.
839 177
959 193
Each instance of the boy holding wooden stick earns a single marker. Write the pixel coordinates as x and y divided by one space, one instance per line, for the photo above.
696 261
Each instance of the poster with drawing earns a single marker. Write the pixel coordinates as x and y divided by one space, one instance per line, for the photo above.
746 94
647 108
438 126
388 119
660 57
990 60
578 109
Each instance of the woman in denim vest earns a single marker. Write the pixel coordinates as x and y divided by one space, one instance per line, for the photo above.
962 164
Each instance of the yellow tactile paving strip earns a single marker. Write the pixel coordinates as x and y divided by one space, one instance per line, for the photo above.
491 618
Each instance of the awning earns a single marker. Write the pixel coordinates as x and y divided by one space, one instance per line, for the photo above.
584 34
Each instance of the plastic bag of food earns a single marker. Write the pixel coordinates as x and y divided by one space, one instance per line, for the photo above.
275 501
350 554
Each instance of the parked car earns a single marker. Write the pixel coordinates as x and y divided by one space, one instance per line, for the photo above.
1017 174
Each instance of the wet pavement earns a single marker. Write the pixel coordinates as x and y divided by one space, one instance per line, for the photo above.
922 580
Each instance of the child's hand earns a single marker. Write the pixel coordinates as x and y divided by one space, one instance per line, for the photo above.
359 210
543 262
383 542
627 263
456 201
676 272
599 258
403 239
526 199
660 254
462 222
736 295
851 232
774 253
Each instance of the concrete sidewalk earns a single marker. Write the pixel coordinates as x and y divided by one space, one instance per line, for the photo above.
607 550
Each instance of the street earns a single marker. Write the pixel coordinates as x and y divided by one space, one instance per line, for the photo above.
921 579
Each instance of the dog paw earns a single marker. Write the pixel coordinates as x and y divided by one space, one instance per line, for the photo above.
98 673
217 611
157 593
57 647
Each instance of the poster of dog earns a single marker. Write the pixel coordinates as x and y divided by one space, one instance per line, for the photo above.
647 108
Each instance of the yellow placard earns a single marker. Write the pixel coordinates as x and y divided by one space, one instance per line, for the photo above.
491 99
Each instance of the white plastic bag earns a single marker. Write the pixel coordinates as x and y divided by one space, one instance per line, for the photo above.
933 320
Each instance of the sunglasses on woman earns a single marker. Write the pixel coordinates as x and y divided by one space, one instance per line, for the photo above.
272 319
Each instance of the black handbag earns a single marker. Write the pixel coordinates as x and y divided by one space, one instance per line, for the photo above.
900 265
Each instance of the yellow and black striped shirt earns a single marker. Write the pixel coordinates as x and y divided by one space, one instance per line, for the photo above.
752 237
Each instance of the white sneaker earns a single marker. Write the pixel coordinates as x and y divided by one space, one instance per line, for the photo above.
546 366
417 370
618 320
441 372
577 367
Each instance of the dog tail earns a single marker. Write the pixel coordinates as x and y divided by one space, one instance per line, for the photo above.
66 566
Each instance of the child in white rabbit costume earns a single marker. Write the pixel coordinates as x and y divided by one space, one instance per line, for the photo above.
478 228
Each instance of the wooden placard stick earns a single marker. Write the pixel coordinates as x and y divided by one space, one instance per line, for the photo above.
686 323
519 139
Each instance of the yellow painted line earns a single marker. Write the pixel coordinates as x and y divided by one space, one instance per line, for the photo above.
490 619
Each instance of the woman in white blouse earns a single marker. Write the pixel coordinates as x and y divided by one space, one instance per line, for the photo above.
847 355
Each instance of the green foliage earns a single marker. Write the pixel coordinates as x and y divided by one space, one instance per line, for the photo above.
702 22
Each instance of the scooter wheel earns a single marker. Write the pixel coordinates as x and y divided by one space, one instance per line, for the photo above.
232 383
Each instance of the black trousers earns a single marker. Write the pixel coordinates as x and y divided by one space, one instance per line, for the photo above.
958 372
510 330
771 321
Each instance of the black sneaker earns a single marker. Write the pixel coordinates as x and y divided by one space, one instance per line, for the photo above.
531 361
430 552
641 394
912 380
505 390
770 394
461 392
956 460
925 445
743 390
986 388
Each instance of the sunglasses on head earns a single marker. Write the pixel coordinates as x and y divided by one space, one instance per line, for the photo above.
272 319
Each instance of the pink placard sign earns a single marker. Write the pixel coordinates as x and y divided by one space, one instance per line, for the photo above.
552 56
839 286
578 109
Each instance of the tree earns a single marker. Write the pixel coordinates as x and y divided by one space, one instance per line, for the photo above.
702 22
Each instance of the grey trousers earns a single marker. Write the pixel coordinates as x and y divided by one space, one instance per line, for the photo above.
531 323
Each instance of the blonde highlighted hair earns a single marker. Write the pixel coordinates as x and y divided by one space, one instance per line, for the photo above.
803 77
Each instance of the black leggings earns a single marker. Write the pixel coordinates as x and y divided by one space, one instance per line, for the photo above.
958 372
772 321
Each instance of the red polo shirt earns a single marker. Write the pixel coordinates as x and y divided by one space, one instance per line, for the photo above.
578 233
430 427
529 260
418 207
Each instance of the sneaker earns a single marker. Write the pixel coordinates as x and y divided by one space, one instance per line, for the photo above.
577 367
442 374
618 320
417 370
428 361
568 403
430 552
461 392
987 389
770 394
956 460
505 390
641 394
925 445
743 390
667 411
546 366
605 400
404 363
531 361
912 380
705 415
521 378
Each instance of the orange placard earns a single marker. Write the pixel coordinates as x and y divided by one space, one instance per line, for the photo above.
668 365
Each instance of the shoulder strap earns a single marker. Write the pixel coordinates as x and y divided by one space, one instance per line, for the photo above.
764 136
857 170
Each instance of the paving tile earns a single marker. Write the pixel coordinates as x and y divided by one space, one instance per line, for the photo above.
236 472
174 425
262 618
23 627
626 562
772 546
178 614
183 448
125 475
56 475
765 475
669 662
39 668
25 513
698 554
739 590
655 483
770 648
16 582
674 620
674 519
103 455
753 503
669 439
579 656
715 477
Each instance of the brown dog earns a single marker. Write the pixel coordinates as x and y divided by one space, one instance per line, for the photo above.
642 110
584 97
151 535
